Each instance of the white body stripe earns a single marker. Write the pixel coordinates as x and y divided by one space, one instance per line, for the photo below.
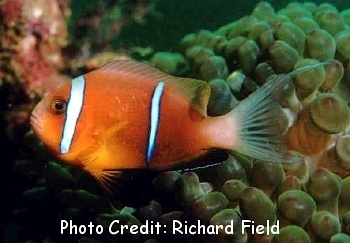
74 107
155 113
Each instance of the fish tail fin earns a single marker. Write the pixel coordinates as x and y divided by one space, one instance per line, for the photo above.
260 121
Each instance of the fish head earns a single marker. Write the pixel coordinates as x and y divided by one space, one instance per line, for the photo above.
48 118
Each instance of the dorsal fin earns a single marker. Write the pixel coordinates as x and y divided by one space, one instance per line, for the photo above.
134 68
196 91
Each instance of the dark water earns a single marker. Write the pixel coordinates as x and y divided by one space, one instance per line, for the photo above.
181 17
173 19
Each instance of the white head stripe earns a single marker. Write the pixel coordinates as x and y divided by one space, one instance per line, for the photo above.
155 113
74 107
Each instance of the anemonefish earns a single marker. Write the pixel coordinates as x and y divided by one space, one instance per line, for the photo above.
128 115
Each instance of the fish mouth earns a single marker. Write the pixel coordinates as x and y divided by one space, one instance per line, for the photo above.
35 124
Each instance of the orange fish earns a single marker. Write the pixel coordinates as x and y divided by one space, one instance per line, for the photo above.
128 115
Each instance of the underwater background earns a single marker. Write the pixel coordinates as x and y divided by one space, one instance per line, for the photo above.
233 46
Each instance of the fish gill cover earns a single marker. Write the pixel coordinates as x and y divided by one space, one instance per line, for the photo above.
45 43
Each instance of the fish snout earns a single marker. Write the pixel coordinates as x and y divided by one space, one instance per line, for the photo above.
35 123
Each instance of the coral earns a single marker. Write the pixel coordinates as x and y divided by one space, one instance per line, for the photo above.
171 63
312 132
32 36
222 99
84 64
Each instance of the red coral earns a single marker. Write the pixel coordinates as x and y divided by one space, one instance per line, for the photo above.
33 34
44 17
12 9
33 69
36 52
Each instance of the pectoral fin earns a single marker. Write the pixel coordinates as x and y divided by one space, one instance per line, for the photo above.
100 158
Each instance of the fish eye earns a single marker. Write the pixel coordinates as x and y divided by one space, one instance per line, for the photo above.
59 106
